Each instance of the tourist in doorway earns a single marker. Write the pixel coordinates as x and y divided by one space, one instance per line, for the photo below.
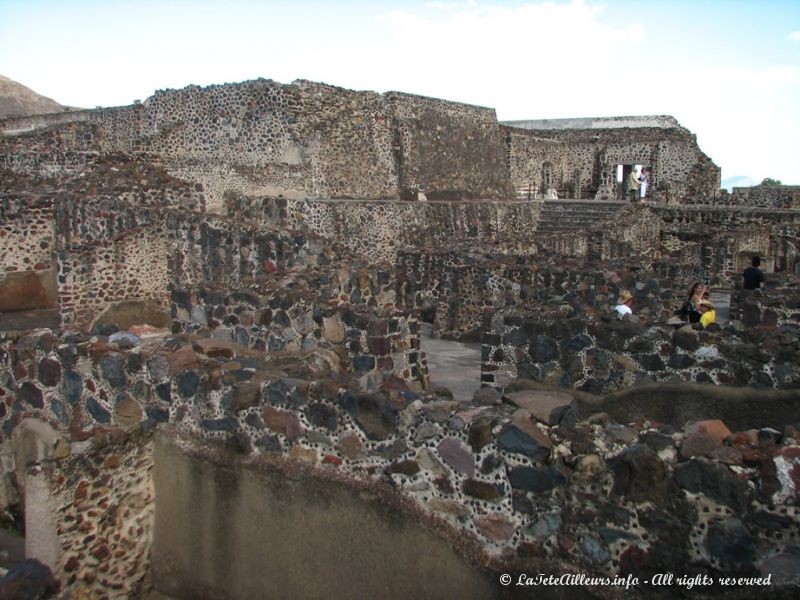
644 181
624 302
633 185
707 313
753 277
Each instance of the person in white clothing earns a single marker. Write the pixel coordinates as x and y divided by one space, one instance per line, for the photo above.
624 303
644 180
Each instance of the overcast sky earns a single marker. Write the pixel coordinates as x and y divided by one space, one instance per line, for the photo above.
727 70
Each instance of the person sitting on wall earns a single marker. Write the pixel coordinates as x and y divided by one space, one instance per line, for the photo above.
633 185
753 277
707 313
624 303
689 311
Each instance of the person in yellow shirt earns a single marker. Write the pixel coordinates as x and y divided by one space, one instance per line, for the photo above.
707 313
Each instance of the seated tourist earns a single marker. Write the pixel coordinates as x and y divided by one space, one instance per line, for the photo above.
624 303
689 311
707 313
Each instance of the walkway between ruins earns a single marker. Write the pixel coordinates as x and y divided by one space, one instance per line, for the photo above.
454 365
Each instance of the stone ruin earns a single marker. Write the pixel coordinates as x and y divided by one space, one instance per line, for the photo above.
213 382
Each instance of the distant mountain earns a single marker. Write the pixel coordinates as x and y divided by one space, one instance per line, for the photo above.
18 101
739 181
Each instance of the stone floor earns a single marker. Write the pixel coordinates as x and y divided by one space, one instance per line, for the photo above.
454 365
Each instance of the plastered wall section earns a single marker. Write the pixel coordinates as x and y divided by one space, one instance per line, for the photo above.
354 542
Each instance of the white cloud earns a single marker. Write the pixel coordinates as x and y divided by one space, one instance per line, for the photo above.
527 53
795 36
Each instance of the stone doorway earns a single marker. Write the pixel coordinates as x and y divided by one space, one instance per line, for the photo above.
623 170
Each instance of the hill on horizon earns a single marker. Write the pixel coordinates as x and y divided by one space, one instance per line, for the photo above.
16 100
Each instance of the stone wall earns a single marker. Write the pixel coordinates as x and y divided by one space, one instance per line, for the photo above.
721 240
767 196
261 137
582 163
379 230
27 235
575 347
466 291
103 497
521 486
448 150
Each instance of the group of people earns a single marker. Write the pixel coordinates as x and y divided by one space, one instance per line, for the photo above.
698 308
637 184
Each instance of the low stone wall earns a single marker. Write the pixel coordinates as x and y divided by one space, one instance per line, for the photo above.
466 290
767 196
572 348
518 487
371 346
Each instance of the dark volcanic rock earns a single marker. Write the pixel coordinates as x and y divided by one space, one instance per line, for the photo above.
72 386
373 414
729 542
29 580
481 490
322 415
405 467
28 392
187 382
640 475
543 349
534 479
49 372
98 411
113 371
715 481
514 439
480 433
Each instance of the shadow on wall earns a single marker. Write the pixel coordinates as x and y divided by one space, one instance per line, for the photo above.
681 403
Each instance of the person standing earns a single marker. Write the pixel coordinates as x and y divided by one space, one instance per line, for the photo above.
753 277
644 181
633 185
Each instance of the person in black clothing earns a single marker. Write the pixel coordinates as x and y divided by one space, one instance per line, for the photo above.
689 310
752 277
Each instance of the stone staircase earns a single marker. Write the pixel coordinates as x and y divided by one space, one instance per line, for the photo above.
559 216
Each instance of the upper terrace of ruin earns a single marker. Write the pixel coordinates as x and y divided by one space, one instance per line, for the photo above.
664 121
